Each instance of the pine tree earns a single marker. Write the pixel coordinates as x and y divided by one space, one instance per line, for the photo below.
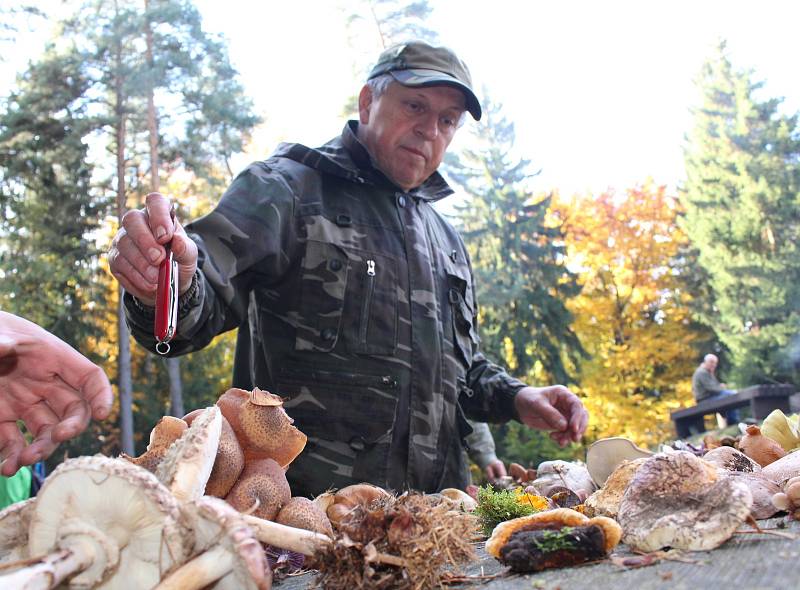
742 203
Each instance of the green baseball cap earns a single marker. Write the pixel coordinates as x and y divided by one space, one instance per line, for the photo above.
417 64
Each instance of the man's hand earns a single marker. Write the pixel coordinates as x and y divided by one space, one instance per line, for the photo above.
48 385
554 408
495 470
138 249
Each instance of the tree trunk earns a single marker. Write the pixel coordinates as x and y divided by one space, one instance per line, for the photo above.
173 364
124 358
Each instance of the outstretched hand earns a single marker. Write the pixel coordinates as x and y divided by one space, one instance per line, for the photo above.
49 386
553 408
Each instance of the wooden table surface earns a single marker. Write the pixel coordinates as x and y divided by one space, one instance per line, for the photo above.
744 562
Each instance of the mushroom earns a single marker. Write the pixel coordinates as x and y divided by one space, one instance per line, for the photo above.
261 489
263 427
571 475
462 500
101 522
554 538
678 500
788 500
229 461
360 494
784 468
14 521
606 454
164 433
732 460
187 464
762 489
302 513
230 556
763 450
606 500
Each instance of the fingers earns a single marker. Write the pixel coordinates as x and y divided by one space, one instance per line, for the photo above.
158 212
86 380
12 445
7 346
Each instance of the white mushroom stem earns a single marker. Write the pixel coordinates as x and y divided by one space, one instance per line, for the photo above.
201 571
287 537
52 569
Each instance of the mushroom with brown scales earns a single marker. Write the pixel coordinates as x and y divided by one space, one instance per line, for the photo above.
678 500
606 500
101 523
303 513
552 539
164 433
343 501
228 556
229 461
732 460
261 489
188 462
263 427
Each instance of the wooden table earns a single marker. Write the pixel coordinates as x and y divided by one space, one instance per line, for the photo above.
745 562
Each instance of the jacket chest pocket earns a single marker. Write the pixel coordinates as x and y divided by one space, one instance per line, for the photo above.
347 297
462 306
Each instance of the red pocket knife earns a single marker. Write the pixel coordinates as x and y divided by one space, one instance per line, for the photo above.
166 299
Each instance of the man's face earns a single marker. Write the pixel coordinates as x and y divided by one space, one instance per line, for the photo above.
407 130
711 364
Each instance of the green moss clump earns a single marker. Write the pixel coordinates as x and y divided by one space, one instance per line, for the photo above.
499 506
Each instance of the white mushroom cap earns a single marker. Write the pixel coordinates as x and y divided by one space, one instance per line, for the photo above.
14 522
678 500
227 552
606 454
115 508
784 468
569 474
762 489
187 465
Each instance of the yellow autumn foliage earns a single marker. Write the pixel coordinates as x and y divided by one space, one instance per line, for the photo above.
631 315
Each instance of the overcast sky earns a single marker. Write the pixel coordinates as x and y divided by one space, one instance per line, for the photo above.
599 91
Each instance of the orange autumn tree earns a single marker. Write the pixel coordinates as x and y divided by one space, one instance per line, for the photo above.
631 315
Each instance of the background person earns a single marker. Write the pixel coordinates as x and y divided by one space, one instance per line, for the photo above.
705 385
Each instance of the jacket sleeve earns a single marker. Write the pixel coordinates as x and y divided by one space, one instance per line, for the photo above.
251 233
490 391
481 445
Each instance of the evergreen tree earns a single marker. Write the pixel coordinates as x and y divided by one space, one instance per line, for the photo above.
743 217
517 256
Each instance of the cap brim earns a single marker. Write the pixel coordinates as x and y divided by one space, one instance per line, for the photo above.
422 78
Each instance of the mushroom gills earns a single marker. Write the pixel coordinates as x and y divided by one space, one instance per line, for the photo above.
538 549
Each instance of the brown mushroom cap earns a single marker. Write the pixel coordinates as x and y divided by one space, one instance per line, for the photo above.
606 500
678 500
762 489
731 459
261 489
762 449
302 513
166 431
263 427
556 519
229 462
360 494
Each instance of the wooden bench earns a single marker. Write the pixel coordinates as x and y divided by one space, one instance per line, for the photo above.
762 399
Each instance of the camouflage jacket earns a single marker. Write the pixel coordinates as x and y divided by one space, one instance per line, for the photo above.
355 300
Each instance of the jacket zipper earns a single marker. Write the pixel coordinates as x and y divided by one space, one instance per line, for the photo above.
365 305
357 379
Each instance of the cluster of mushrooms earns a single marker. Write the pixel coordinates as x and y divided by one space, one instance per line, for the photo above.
203 507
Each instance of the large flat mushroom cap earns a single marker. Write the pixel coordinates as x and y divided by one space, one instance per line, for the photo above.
606 500
731 459
120 500
678 500
605 455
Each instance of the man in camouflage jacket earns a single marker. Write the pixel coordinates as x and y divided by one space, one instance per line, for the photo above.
353 297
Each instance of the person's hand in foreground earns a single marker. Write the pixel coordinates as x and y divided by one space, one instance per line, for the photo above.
49 386
495 470
138 249
555 409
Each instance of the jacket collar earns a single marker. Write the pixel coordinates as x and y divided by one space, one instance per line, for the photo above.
345 156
